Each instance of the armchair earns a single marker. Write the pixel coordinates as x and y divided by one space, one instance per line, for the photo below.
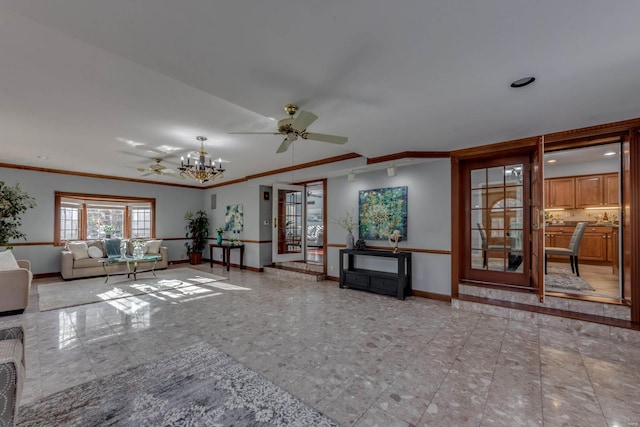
15 286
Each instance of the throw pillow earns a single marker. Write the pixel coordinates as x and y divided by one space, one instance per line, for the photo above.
80 250
153 247
95 252
8 261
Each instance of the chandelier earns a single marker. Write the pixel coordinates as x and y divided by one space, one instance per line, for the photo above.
200 170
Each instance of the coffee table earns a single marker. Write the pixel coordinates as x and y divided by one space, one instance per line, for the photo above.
132 265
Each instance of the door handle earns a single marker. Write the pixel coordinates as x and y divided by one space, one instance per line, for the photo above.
275 222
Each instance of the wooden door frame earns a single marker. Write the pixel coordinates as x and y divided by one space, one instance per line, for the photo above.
566 139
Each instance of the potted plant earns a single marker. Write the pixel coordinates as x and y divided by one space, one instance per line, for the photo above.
219 232
348 223
13 203
198 231
108 229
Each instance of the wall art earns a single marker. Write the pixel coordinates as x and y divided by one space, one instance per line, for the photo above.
382 211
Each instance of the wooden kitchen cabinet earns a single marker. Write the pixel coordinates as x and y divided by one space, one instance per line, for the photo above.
589 191
594 244
611 190
561 192
614 243
597 190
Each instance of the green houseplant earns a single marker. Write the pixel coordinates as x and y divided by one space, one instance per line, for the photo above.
13 203
219 232
198 231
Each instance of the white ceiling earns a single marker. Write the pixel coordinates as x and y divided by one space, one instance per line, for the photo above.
81 79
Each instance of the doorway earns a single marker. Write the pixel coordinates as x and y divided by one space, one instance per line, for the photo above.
583 184
289 217
315 234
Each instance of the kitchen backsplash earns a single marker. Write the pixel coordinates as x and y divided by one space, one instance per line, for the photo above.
589 215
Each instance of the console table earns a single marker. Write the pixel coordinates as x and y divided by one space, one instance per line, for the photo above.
226 253
396 284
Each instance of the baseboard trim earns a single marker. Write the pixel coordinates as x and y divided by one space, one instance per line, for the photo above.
333 279
431 295
602 320
46 275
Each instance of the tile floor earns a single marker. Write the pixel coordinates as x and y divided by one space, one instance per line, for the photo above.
361 358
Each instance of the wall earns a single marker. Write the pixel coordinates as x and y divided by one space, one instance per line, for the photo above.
429 219
249 195
37 223
429 222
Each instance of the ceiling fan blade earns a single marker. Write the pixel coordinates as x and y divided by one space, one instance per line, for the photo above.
333 139
147 174
303 120
173 175
284 146
254 133
141 169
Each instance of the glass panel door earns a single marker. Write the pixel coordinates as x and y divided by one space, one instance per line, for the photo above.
497 218
289 218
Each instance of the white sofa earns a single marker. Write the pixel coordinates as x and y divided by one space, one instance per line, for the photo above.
15 285
74 264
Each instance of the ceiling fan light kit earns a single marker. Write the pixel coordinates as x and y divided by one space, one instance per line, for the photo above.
296 127
199 170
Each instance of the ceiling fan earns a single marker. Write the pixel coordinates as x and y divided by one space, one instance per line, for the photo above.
293 128
158 169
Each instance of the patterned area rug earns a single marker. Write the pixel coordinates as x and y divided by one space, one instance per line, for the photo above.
52 296
563 278
200 386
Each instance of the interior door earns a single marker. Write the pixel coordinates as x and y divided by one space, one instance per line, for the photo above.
537 220
289 219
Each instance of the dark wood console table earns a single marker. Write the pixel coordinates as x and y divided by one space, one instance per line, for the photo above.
226 254
395 284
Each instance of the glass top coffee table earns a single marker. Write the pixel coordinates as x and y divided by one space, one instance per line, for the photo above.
132 265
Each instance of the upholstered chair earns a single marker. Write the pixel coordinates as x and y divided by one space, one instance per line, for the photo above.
15 286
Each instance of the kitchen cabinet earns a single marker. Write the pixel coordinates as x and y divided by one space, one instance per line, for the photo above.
611 190
614 245
596 190
586 191
561 193
597 243
589 191
594 244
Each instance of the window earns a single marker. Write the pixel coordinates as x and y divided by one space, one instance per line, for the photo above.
91 216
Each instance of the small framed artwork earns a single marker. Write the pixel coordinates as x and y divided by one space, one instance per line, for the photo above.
265 195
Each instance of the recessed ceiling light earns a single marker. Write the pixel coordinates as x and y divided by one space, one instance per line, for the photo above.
523 82
610 153
551 161
43 157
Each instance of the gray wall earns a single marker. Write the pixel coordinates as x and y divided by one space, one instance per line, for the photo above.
37 223
429 223
429 219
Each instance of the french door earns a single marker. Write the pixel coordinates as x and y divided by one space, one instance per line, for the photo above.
289 218
497 227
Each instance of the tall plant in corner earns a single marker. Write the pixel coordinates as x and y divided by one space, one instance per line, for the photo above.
13 203
198 231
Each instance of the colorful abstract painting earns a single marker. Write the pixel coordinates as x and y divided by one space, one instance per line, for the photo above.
382 211
233 219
